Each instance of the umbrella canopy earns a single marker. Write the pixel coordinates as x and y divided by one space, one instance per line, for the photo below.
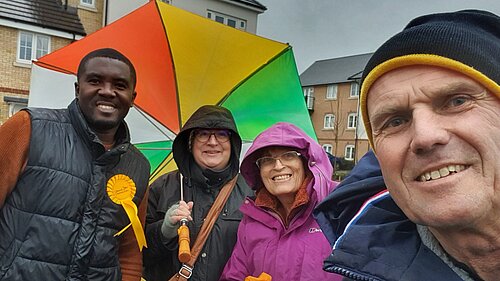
184 61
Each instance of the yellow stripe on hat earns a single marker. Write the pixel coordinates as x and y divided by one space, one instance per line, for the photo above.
418 59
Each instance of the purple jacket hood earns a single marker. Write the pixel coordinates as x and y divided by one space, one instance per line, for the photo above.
286 134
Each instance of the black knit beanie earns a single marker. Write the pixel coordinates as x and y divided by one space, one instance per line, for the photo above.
466 41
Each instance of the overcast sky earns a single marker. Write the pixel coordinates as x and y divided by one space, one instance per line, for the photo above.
324 29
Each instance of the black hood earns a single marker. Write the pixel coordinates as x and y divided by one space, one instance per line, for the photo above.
206 117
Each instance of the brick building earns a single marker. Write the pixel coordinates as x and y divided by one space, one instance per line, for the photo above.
331 89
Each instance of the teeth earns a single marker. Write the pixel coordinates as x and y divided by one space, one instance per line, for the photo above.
443 172
282 177
105 106
435 175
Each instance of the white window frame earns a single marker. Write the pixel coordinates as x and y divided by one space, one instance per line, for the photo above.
309 96
328 148
329 121
308 91
331 92
14 107
87 3
354 92
352 120
349 152
240 24
34 46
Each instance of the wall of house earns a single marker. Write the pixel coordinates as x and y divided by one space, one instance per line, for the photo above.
340 136
15 80
230 9
15 77
91 18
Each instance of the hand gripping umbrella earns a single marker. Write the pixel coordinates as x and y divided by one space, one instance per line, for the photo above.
183 61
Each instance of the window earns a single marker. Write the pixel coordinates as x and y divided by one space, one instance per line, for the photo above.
227 20
231 23
352 120
331 92
329 121
88 3
327 148
309 95
32 46
15 104
349 152
308 91
15 107
354 90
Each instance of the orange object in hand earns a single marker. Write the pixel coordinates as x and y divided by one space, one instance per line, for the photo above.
184 249
262 277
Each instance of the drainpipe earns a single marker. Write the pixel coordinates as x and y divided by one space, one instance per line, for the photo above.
357 81
105 13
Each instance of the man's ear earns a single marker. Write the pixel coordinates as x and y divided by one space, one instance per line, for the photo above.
77 89
134 94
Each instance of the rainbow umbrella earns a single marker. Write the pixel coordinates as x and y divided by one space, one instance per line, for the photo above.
184 61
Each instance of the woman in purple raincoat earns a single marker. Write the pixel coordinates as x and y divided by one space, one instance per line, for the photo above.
278 234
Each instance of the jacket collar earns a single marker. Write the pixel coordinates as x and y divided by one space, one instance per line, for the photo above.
381 243
372 237
90 137
266 200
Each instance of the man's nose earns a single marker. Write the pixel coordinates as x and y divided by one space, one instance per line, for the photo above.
107 90
429 131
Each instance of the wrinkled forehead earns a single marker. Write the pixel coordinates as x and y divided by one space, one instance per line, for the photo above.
407 83
377 79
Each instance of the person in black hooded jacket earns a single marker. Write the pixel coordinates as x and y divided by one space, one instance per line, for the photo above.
206 151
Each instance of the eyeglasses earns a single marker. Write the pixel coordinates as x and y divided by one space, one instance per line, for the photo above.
204 135
285 158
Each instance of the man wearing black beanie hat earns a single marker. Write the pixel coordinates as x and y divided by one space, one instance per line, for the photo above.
430 101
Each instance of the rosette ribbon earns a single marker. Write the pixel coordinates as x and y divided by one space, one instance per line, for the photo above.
121 190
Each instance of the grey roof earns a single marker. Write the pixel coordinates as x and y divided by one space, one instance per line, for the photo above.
52 14
252 3
335 70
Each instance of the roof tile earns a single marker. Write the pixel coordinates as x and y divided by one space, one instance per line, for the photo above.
332 71
44 13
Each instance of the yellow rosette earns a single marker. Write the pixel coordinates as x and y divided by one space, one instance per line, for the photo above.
121 189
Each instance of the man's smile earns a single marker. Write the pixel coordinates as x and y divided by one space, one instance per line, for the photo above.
441 172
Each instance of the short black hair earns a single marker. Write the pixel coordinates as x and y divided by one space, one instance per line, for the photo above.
107 53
